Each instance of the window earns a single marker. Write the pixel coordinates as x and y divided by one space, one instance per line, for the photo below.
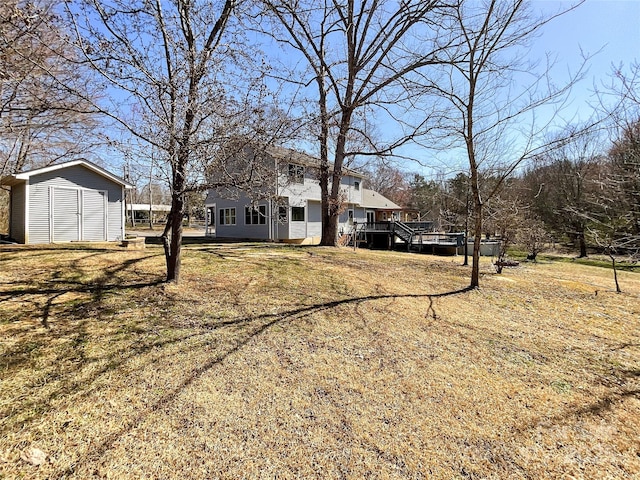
282 214
356 185
297 214
296 173
350 215
228 216
371 216
255 215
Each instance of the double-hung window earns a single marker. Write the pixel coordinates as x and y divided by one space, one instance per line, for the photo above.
296 173
282 214
228 216
255 215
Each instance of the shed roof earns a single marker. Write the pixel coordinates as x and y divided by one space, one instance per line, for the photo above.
18 178
371 199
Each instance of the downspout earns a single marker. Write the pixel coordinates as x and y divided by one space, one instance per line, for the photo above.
277 194
271 220
26 230
123 216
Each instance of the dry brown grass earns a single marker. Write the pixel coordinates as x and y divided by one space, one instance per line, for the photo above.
270 361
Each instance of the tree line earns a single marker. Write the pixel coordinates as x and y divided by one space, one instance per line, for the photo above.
584 194
188 87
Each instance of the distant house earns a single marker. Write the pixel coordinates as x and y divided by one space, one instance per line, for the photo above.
72 201
290 209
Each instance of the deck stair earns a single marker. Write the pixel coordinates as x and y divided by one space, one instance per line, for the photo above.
357 235
403 231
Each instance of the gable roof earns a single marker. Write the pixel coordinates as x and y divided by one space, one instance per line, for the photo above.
18 178
301 158
372 199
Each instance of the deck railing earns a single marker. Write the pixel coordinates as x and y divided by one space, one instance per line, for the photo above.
389 226
414 233
420 226
378 226
452 239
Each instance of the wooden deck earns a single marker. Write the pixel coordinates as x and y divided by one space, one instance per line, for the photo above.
410 235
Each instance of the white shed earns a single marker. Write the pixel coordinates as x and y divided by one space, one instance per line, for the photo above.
72 201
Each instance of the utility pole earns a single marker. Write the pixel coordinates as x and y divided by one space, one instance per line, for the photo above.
151 195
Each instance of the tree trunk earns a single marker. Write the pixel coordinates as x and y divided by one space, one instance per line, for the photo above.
328 237
477 209
583 245
615 272
173 247
329 230
475 263
466 238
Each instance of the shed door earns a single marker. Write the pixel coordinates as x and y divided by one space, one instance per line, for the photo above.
78 215
93 216
66 208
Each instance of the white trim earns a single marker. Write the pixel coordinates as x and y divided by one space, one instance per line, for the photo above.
367 211
123 217
211 214
25 230
73 163
144 207
51 220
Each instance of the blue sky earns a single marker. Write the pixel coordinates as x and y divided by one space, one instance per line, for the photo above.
607 29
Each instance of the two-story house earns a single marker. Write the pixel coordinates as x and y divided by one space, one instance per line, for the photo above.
290 208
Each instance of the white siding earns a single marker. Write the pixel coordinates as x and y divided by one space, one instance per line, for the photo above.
80 178
94 223
66 211
16 227
310 189
297 230
241 229
314 219
39 210
306 194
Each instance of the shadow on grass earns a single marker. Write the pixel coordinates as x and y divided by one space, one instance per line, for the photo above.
110 283
204 240
64 281
58 247
260 323
81 314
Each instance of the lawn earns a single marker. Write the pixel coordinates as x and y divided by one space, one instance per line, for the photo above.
271 361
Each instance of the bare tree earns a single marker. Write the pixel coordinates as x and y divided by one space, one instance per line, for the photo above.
171 68
42 118
562 182
389 181
624 114
427 197
534 236
491 119
503 215
43 115
358 55
613 219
